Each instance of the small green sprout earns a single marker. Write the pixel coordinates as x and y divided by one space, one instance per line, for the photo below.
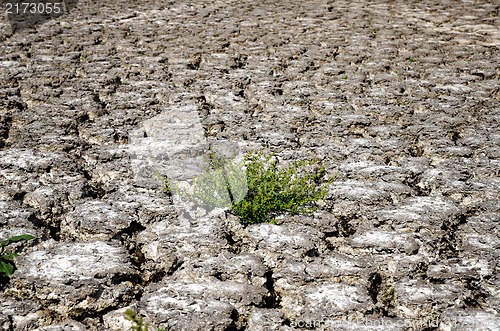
138 321
389 297
7 265
221 185
274 190
164 181
257 189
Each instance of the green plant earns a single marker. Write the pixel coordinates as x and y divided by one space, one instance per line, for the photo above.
138 322
221 185
389 297
262 191
275 190
164 181
7 259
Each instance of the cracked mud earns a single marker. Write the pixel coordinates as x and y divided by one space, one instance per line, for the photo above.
400 98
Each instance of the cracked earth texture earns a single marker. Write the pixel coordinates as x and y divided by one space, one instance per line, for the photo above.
401 98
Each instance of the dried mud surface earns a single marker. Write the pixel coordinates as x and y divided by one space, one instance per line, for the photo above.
401 98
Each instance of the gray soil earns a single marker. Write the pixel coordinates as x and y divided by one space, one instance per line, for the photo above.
400 98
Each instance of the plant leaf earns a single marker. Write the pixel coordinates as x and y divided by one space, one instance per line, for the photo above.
6 268
8 257
16 239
